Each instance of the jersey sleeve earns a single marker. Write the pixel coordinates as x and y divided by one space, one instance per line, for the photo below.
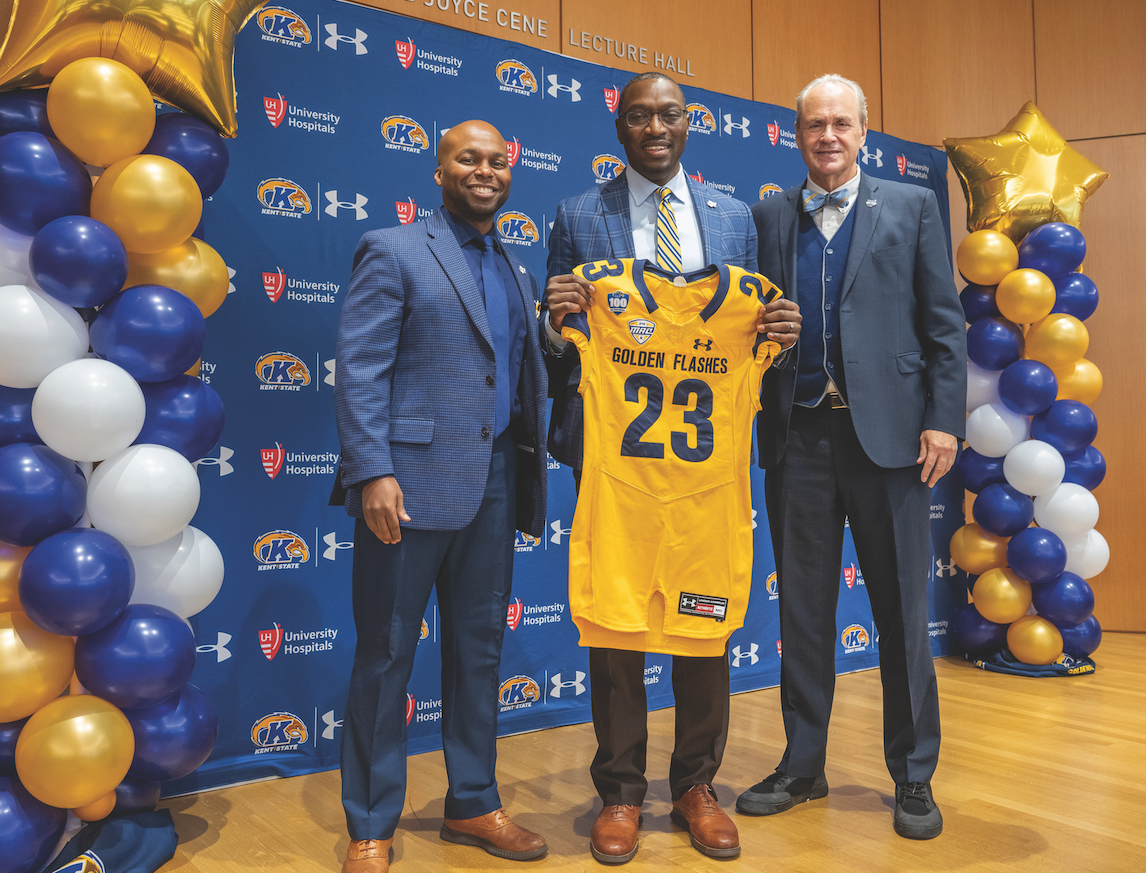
575 328
766 349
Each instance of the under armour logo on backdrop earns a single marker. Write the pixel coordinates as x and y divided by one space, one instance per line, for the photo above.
335 38
359 201
555 88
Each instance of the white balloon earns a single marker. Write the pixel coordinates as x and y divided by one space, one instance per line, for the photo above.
37 334
1068 510
993 430
1087 554
182 574
1034 467
14 252
144 495
982 386
88 410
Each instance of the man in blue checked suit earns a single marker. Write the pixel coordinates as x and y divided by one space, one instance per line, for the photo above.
440 404
620 220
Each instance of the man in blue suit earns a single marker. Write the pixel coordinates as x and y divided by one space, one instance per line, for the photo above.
858 423
619 220
440 404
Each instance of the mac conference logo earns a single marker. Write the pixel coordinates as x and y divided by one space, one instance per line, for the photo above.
283 25
281 550
607 167
282 371
641 329
278 732
405 134
770 188
519 692
275 109
700 119
517 228
283 197
516 77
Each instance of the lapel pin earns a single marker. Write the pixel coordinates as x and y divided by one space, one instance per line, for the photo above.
521 268
711 204
871 203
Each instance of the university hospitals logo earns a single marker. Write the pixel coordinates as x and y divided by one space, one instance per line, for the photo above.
700 119
855 638
516 77
556 87
275 108
641 329
272 459
273 284
520 692
513 614
283 197
410 705
270 641
282 371
407 210
513 151
612 98
607 167
405 134
517 228
774 133
278 732
901 163
852 575
768 189
283 25
281 550
406 51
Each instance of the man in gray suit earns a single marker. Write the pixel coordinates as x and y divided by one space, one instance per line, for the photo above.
858 423
619 220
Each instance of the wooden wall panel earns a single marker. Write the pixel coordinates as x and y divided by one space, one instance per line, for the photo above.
710 42
780 68
954 68
532 22
1090 73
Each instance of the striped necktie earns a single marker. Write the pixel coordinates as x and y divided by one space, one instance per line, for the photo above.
668 240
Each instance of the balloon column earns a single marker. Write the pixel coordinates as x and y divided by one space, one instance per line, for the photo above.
1030 428
105 603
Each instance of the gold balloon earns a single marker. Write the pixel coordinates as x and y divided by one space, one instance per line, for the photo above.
986 256
183 49
101 110
1023 176
1024 296
193 370
193 268
1058 340
1001 596
35 666
1034 640
977 550
96 810
1082 382
151 203
74 751
11 560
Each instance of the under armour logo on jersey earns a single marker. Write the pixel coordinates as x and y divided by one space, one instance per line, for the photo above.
558 531
555 88
868 157
696 343
688 601
331 539
335 38
577 684
329 720
225 455
942 569
330 366
220 649
738 655
742 126
360 200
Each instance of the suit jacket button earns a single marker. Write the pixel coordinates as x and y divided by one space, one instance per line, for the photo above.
485 433
489 380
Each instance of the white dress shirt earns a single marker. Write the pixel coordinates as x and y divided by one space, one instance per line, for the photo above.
829 219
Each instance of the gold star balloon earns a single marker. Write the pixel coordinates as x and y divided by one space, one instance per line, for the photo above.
1023 176
183 49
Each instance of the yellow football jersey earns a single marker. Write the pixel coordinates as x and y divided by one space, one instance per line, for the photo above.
660 557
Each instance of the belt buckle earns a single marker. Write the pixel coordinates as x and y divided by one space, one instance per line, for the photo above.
836 400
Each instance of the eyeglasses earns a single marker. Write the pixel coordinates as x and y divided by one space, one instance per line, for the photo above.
642 117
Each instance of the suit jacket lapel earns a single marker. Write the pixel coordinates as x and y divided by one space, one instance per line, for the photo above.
788 232
867 208
706 223
618 221
444 247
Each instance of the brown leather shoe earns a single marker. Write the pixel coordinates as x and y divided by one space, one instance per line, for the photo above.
495 833
613 839
711 831
368 856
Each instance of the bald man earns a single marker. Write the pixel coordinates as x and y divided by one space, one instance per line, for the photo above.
440 404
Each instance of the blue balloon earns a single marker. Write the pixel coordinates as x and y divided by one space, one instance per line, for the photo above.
9 733
978 302
76 581
184 414
1075 294
16 416
41 493
979 471
1002 510
194 145
1086 468
79 261
138 660
1036 555
174 737
136 795
1067 425
25 110
29 829
977 635
41 181
1082 639
994 343
153 332
1064 600
1028 387
1054 249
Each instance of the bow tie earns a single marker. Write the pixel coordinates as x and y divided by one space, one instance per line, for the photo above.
814 202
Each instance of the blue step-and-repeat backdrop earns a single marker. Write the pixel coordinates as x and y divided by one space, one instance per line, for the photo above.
340 111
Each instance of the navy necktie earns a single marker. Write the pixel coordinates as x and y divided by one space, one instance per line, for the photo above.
814 202
497 314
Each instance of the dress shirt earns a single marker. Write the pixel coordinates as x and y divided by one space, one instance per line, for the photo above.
829 219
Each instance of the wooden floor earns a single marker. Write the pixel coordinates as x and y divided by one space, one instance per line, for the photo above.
1039 775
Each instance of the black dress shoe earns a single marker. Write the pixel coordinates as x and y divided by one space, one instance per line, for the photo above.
916 815
779 792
